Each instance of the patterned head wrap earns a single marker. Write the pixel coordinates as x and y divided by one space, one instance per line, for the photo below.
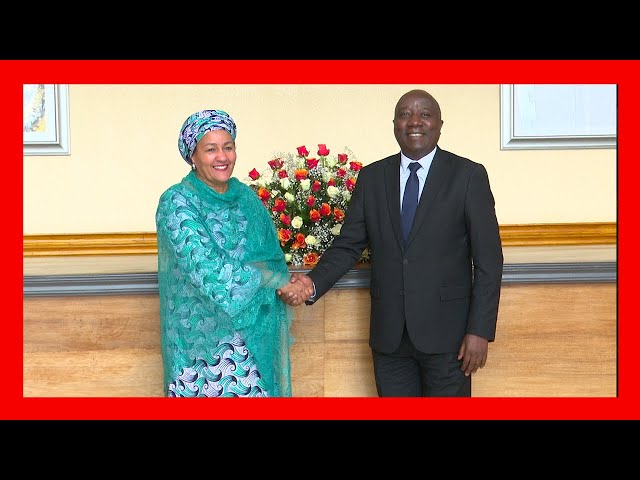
197 125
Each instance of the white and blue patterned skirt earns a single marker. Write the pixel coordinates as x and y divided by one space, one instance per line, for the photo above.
233 373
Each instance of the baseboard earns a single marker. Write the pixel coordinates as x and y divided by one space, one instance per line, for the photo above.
147 283
142 243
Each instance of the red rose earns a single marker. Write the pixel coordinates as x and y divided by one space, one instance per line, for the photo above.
316 185
301 174
276 163
311 200
264 194
356 166
285 219
350 184
312 163
282 174
254 174
310 258
314 215
298 241
323 151
343 157
284 235
325 209
302 151
279 205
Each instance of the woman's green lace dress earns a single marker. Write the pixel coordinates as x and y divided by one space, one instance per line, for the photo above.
225 332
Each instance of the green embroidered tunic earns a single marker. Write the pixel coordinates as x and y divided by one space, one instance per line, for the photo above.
224 330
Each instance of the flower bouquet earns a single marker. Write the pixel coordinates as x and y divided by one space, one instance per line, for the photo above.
307 198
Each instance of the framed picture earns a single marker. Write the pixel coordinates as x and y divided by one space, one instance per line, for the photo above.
558 116
45 119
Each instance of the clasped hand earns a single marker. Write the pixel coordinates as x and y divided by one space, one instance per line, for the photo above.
297 291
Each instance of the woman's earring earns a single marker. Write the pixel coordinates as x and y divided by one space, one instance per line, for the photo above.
193 167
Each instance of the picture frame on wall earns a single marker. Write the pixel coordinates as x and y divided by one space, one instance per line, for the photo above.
45 119
566 116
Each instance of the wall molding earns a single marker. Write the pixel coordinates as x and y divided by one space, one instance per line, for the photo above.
144 243
140 243
555 234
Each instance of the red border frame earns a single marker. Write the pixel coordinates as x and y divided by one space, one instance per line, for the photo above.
621 72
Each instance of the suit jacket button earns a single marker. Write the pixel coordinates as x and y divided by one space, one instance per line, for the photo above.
401 293
405 261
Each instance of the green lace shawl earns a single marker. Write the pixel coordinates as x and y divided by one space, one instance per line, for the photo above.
219 265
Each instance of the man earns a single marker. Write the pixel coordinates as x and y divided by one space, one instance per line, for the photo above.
435 294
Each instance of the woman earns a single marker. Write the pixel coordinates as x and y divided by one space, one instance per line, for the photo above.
225 332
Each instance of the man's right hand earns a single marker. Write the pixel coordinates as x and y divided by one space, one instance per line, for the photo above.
298 290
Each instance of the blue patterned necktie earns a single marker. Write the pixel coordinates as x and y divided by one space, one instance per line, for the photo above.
410 199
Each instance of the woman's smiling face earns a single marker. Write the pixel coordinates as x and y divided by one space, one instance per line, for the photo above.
215 159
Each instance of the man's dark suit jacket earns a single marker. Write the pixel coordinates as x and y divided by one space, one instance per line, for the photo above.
446 281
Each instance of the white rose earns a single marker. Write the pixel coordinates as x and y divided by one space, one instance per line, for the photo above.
326 176
305 184
274 193
332 191
289 196
330 162
285 183
311 240
335 230
296 222
287 257
346 195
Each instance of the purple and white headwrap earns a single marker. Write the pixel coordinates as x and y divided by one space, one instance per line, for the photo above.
197 125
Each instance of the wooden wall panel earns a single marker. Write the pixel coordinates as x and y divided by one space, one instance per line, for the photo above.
94 373
347 315
552 341
54 324
308 352
307 370
349 370
98 346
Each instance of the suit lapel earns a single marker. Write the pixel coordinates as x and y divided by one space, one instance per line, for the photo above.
392 189
438 173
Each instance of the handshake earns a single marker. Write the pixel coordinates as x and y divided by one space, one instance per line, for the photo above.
299 289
